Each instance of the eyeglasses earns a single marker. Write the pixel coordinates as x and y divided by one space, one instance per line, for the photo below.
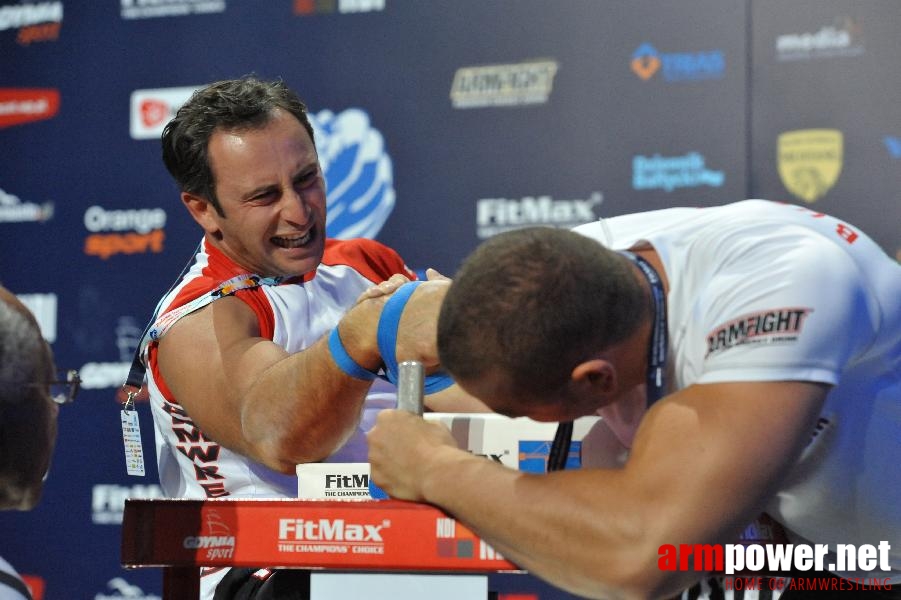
64 388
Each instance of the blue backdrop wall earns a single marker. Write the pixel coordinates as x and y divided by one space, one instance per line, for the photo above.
439 124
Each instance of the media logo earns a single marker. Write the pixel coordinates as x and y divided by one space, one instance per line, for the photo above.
810 161
128 231
43 307
842 38
13 210
359 173
517 84
893 145
669 173
496 215
150 9
311 7
120 589
647 62
20 106
36 21
151 110
108 500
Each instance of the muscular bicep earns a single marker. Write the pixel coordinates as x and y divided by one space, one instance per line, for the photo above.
210 360
712 454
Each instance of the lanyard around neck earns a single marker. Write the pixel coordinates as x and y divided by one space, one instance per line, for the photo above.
656 387
657 350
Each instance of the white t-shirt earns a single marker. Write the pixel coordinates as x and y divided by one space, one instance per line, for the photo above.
294 315
761 291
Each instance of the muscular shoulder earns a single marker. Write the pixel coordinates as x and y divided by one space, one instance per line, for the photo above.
372 259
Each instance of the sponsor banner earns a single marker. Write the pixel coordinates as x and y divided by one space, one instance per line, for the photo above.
669 173
359 173
13 210
842 38
497 215
44 309
118 588
313 7
36 21
810 161
152 109
108 500
20 106
368 535
126 231
333 481
150 9
647 62
517 84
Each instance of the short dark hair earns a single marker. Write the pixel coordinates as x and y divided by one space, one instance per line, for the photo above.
534 303
233 104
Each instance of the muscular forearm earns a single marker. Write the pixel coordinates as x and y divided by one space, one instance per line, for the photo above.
303 407
556 536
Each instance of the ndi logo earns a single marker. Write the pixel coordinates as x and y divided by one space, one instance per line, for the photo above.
672 172
358 172
678 66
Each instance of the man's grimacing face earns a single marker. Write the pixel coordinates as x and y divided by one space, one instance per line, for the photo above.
272 192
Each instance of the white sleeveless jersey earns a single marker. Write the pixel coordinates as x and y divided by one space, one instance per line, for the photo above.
761 291
293 315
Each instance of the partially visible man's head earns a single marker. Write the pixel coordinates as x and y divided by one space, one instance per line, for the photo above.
527 306
27 413
230 105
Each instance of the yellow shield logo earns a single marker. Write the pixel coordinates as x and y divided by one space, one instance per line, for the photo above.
810 161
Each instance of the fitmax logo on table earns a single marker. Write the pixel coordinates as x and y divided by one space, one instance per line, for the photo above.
647 61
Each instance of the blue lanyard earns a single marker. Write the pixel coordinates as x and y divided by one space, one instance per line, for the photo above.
657 350
656 388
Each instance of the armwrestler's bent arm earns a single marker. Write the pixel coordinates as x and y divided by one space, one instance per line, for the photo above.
703 463
252 397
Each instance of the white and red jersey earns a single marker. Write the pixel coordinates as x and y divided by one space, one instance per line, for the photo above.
294 315
761 291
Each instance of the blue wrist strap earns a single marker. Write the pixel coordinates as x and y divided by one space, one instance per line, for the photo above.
386 337
344 361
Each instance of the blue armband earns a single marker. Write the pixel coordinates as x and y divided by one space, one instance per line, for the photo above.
344 361
386 337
